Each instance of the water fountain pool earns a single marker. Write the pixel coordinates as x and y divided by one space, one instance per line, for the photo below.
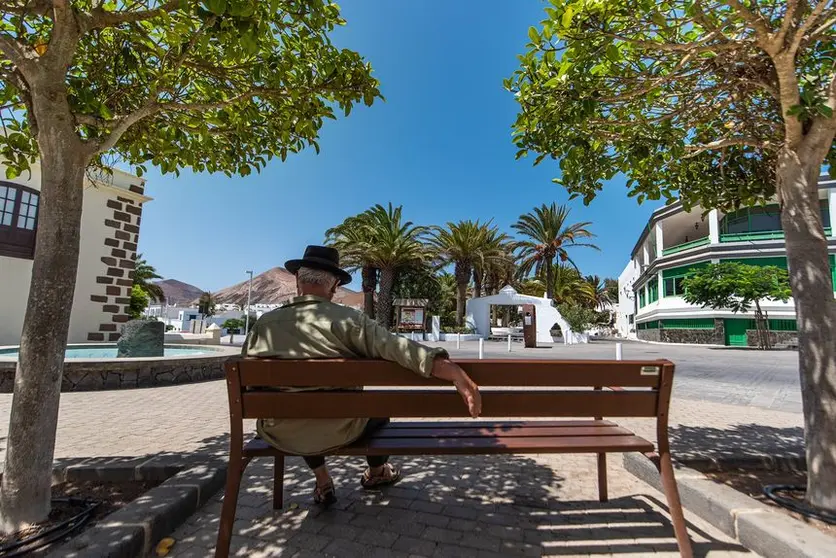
95 367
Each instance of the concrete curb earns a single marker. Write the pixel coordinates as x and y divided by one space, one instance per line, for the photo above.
135 530
759 528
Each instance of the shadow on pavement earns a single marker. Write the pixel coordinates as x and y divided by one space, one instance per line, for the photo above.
737 442
507 505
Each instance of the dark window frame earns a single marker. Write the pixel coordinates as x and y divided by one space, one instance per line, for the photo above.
19 241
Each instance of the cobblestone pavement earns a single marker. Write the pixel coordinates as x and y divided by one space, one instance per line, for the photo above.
193 418
464 507
470 506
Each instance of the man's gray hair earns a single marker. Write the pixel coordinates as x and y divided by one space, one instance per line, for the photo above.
311 276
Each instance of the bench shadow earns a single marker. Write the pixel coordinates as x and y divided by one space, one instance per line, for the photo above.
505 504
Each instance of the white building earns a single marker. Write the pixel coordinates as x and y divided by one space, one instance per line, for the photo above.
111 218
626 307
676 242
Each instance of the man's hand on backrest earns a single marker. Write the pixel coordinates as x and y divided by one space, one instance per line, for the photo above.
444 369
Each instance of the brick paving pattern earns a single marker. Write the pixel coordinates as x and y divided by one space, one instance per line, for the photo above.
463 507
466 506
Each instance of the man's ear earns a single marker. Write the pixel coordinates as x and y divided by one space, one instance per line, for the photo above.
334 287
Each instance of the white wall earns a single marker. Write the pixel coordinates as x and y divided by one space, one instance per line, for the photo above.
87 315
626 302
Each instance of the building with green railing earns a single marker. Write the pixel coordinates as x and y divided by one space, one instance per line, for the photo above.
676 242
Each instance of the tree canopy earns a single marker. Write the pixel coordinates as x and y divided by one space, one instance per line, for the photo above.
735 286
215 85
687 98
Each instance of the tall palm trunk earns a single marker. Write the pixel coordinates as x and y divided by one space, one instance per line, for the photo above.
549 287
369 275
477 282
384 297
812 290
26 492
463 270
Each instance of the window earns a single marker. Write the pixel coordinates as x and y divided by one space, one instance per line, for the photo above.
18 220
7 205
653 289
642 299
761 219
673 278
673 286
688 323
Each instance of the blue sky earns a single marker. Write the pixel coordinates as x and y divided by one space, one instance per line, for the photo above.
440 145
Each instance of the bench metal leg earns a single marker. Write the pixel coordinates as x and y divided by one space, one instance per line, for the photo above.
234 473
602 478
674 505
278 482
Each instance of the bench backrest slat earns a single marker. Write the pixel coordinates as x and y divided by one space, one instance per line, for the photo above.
498 372
447 403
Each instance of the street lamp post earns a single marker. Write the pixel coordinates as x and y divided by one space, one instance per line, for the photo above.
247 311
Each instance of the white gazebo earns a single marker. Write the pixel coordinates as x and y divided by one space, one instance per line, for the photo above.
479 315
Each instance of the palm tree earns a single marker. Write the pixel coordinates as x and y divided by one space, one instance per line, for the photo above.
494 258
463 244
351 238
144 274
548 236
447 290
599 290
206 304
388 244
568 287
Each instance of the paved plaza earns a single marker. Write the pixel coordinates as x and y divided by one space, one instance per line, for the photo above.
726 402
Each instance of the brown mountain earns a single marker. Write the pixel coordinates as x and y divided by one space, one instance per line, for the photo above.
275 286
178 292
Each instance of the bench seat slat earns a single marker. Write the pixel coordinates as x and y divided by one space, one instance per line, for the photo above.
486 372
497 424
469 432
478 445
447 403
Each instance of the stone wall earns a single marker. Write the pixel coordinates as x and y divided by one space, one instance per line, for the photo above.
112 374
716 336
775 337
648 334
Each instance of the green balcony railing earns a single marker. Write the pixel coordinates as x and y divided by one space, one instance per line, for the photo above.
759 235
686 246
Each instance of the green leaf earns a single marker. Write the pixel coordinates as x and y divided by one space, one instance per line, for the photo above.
825 110
566 20
217 7
533 35
658 19
613 53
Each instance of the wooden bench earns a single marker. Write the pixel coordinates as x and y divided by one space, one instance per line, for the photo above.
542 388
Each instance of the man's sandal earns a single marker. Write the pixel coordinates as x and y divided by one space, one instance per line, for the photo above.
388 477
325 496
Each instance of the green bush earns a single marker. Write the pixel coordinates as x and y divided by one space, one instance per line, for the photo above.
579 318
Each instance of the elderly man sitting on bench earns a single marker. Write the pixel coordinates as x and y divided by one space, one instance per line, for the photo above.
310 326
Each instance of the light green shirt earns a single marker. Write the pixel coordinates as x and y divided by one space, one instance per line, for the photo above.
310 327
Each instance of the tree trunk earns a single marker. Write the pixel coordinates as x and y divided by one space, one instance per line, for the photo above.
369 275
462 273
477 283
25 492
549 290
384 298
812 290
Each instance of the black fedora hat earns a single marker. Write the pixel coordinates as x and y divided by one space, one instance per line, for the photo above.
320 257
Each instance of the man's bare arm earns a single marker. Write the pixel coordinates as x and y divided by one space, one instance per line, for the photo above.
444 369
